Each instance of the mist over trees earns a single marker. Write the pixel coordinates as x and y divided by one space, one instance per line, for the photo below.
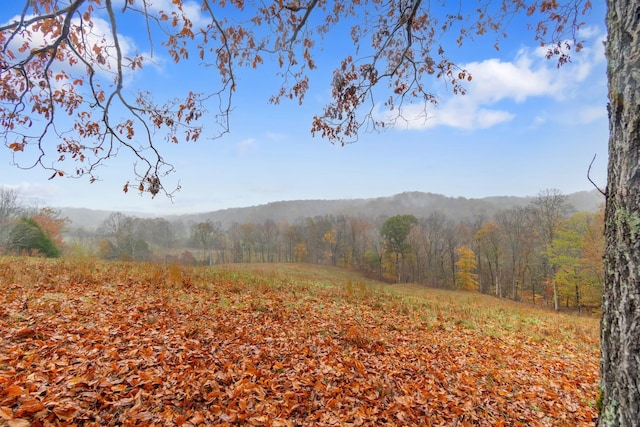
545 252
10 211
542 253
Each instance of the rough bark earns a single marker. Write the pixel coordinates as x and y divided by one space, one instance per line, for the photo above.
620 329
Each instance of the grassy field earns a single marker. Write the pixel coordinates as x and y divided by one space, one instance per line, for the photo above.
94 343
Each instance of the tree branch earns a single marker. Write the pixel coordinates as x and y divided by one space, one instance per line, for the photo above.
604 193
308 9
228 58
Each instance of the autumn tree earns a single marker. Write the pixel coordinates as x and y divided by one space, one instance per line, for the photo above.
158 231
549 208
488 239
315 231
395 232
267 240
289 236
122 238
339 249
249 237
434 227
466 277
577 252
28 237
331 242
358 240
593 246
451 238
300 252
375 254
418 242
334 238
515 225
71 59
53 224
204 233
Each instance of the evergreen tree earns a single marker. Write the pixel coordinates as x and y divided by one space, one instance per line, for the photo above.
28 237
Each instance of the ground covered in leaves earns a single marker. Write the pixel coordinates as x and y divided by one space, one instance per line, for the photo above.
92 343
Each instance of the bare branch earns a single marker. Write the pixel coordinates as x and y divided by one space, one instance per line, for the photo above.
152 170
604 193
228 58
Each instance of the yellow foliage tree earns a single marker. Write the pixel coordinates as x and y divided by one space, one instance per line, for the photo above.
466 278
300 252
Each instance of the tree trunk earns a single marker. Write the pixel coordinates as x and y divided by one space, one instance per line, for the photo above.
619 400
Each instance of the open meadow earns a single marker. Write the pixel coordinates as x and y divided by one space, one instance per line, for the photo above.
88 342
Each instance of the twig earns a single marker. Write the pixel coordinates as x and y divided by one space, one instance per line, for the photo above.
604 193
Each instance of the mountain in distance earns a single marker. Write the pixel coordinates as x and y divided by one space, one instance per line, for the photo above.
417 203
91 218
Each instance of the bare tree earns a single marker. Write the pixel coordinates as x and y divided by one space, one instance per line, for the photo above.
268 237
515 227
10 211
204 234
124 236
548 209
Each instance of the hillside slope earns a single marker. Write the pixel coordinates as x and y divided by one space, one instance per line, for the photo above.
416 203
97 343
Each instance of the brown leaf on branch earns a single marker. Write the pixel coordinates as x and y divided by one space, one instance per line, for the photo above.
54 59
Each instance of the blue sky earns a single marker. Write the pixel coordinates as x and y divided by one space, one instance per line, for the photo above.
523 126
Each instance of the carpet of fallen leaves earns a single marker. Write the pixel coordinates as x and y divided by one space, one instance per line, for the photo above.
93 343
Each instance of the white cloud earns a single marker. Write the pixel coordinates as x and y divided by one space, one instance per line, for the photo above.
528 75
191 9
487 118
457 113
495 80
589 32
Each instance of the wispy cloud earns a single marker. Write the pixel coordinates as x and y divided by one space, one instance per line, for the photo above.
246 146
591 113
275 136
33 193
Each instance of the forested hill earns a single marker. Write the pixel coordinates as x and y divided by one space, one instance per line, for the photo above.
417 203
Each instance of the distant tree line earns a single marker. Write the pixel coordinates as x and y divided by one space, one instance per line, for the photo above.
543 253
